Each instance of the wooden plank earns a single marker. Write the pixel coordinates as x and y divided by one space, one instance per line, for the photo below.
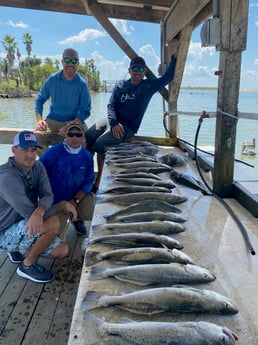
181 16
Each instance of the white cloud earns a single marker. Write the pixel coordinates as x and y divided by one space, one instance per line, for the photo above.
83 36
19 24
122 26
197 51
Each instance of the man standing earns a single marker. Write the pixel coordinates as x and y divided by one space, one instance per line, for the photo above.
126 108
70 100
28 225
71 174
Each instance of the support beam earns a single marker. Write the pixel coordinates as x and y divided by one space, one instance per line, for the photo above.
233 42
121 42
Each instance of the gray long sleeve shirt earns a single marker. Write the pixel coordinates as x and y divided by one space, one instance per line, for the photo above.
21 193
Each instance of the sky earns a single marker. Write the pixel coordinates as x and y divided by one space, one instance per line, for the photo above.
52 32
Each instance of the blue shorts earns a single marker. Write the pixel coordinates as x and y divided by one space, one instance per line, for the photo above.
16 238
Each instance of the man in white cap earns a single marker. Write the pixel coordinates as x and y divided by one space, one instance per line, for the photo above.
71 174
28 224
70 101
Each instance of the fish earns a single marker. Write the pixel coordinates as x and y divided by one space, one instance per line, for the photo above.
172 159
155 169
146 182
131 332
156 227
120 159
130 198
145 150
136 175
151 216
189 181
136 256
144 275
142 164
143 239
144 206
128 188
180 299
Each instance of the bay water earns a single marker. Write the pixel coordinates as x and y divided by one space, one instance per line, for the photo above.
19 113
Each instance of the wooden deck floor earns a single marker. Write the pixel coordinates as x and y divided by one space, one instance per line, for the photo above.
32 313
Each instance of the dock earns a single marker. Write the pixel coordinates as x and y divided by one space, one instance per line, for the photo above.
40 314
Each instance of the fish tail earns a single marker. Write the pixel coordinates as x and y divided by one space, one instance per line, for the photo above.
91 300
85 244
97 273
94 329
92 257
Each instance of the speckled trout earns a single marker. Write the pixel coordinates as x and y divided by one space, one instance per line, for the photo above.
144 206
100 332
173 273
136 256
180 299
130 198
133 239
151 216
157 227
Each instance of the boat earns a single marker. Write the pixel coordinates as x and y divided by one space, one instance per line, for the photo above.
213 237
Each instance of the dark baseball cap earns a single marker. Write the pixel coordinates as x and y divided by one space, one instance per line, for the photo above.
137 62
70 53
26 139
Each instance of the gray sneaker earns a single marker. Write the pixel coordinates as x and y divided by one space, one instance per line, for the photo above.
35 272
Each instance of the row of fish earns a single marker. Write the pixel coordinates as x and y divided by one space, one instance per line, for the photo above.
148 256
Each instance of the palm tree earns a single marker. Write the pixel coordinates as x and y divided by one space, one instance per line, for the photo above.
9 45
27 40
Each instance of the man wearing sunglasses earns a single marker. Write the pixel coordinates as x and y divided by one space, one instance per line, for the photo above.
126 108
70 100
71 174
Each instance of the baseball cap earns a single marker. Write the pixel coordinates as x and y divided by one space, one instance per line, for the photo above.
70 53
77 125
137 62
26 139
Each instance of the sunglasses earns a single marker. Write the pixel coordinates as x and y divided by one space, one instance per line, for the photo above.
138 69
74 134
73 61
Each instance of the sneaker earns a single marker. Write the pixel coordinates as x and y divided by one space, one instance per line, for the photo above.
80 227
16 257
35 272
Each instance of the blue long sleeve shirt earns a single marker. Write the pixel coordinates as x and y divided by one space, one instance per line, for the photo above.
17 197
68 173
129 102
69 98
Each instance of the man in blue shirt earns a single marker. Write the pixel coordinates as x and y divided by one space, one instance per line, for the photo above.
126 108
71 174
70 100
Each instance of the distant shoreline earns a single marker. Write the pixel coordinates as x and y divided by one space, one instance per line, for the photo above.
205 88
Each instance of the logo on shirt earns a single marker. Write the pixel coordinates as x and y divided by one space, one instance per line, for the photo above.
125 97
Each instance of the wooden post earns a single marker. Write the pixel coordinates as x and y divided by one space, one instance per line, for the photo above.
234 16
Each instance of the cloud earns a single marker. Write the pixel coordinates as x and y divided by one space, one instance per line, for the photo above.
197 51
17 25
83 36
122 26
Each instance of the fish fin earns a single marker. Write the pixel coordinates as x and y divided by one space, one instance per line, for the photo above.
91 300
94 330
92 257
85 244
97 273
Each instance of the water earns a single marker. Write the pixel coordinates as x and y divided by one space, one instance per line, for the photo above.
19 113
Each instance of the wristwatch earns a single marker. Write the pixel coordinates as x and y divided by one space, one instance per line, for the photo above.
77 201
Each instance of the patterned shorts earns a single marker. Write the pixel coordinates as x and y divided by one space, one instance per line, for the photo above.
16 238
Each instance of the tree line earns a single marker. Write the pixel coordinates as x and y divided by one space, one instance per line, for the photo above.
29 74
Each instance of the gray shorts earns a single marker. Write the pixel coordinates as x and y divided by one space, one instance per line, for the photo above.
16 238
